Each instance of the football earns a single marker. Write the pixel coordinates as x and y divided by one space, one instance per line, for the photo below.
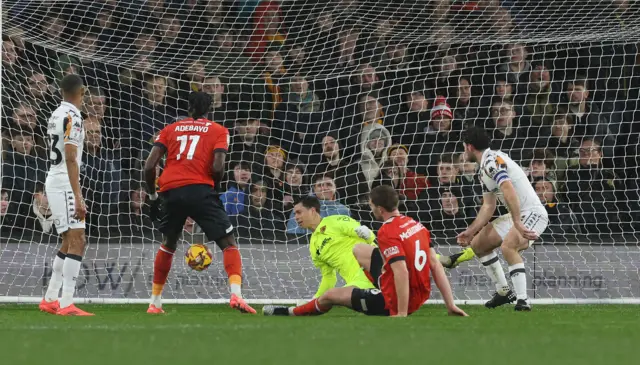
198 257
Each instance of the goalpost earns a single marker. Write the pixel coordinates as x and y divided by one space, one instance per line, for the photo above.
556 83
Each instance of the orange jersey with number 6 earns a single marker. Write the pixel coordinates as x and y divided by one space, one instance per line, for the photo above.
190 146
402 238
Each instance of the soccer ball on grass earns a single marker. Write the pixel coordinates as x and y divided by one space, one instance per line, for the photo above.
198 257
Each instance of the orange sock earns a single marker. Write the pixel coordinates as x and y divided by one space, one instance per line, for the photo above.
161 268
233 266
311 308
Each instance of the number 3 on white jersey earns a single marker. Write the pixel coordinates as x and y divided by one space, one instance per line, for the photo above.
421 257
192 146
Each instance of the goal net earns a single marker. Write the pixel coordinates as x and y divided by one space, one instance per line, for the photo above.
330 98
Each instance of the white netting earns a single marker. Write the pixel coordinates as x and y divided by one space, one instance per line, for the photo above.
356 91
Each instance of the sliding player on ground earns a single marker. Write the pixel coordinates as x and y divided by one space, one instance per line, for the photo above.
405 280
196 150
331 248
66 134
504 180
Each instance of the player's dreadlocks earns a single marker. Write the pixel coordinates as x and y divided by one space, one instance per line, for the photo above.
199 104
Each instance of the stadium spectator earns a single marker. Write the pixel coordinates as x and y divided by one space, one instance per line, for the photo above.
235 198
542 165
223 110
437 139
448 214
7 217
101 178
272 175
503 89
467 106
227 57
324 188
273 75
295 185
247 143
150 113
591 190
133 215
413 115
562 220
562 141
40 94
40 207
516 67
396 173
506 134
4 203
258 215
375 139
448 171
268 30
537 105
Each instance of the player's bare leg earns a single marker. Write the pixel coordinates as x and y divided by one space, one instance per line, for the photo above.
50 303
161 269
363 252
511 246
70 271
484 245
323 304
233 266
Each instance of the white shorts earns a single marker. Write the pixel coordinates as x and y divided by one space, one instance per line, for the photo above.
62 205
535 221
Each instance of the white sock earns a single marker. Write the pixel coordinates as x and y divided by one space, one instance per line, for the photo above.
156 300
55 283
70 272
236 289
519 280
494 269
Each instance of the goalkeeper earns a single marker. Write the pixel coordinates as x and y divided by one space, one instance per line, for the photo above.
331 248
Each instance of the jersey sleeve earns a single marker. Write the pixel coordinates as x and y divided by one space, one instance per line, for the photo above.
391 247
161 139
73 131
329 278
347 226
496 169
222 140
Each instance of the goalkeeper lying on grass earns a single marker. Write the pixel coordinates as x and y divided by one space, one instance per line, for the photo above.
331 246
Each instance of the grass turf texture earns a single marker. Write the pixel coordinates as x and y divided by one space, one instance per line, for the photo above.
200 334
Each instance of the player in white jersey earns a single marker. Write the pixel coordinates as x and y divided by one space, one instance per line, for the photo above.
66 138
503 180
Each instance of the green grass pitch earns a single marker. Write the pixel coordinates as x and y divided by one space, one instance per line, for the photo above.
201 334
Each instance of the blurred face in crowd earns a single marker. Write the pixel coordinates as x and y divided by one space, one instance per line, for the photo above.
464 91
465 166
304 216
325 189
417 102
273 61
447 173
537 169
241 176
226 41
502 114
448 65
294 176
517 53
248 129
348 42
26 117
590 153
258 195
95 105
38 85
138 197
104 18
371 108
213 86
399 157
377 146
449 203
169 29
22 144
274 160
299 86
196 72
504 89
367 77
441 123
4 203
545 191
271 20
9 53
297 55
561 127
87 44
53 27
397 53
540 78
324 22
93 134
146 43
330 147
156 89
577 94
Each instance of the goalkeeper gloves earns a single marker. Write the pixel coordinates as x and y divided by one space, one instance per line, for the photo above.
364 232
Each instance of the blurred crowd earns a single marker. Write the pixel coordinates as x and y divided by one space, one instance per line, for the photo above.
320 102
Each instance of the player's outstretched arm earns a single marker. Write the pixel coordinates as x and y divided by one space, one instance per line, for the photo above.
513 203
401 281
352 228
442 282
150 169
73 170
484 216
